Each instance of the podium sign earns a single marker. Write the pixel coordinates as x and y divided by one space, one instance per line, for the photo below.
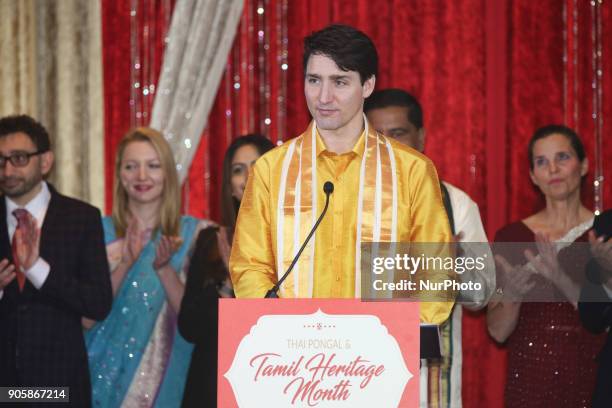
318 353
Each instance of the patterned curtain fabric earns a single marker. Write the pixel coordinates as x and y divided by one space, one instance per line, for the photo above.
199 40
18 51
51 69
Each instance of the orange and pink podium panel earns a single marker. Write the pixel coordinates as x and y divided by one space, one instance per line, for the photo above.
318 353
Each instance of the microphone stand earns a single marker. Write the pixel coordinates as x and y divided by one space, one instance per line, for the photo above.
328 188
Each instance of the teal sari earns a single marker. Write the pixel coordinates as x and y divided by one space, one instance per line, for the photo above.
136 355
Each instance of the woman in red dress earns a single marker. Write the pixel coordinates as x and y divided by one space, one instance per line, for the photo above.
551 358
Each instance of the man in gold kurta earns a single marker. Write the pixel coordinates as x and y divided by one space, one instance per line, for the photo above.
383 191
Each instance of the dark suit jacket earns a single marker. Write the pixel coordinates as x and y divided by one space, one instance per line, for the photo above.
596 315
41 337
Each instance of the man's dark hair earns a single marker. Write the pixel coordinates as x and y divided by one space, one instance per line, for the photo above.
385 98
348 47
25 124
550 130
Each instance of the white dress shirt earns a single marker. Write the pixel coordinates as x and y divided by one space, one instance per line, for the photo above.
466 217
467 220
37 274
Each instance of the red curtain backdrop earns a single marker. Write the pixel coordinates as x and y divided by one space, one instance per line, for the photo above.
543 89
116 62
487 73
133 34
441 62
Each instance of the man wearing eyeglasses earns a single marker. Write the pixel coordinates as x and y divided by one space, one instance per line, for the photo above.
53 268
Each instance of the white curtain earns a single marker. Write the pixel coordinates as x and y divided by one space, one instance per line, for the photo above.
52 70
199 40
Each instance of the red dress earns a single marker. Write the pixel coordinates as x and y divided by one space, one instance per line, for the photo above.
551 357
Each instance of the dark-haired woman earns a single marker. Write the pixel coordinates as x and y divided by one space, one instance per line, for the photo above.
208 276
551 358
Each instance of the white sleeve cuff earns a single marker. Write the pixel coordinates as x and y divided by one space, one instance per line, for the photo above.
38 273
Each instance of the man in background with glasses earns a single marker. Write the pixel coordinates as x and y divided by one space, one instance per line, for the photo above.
53 268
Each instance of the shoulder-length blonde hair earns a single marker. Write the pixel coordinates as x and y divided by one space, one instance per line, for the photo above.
170 210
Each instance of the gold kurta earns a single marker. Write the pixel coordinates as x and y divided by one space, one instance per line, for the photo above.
420 218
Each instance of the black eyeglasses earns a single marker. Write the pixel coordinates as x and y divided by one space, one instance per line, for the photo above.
19 159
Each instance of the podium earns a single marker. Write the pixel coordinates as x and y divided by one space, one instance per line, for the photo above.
320 352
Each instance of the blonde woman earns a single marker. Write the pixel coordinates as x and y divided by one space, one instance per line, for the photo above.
136 355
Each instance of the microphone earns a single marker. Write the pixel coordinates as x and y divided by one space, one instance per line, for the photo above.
328 188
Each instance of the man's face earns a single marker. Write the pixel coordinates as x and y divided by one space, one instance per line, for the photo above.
392 121
19 183
334 97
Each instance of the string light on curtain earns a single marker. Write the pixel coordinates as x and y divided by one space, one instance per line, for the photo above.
572 84
145 68
249 99
566 42
598 119
264 78
473 167
255 83
574 65
135 66
251 91
570 62
282 61
148 28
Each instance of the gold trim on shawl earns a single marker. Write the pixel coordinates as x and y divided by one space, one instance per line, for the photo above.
377 205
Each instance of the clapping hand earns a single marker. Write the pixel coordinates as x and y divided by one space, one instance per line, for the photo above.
132 243
547 264
458 236
165 249
7 273
27 238
457 244
518 280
